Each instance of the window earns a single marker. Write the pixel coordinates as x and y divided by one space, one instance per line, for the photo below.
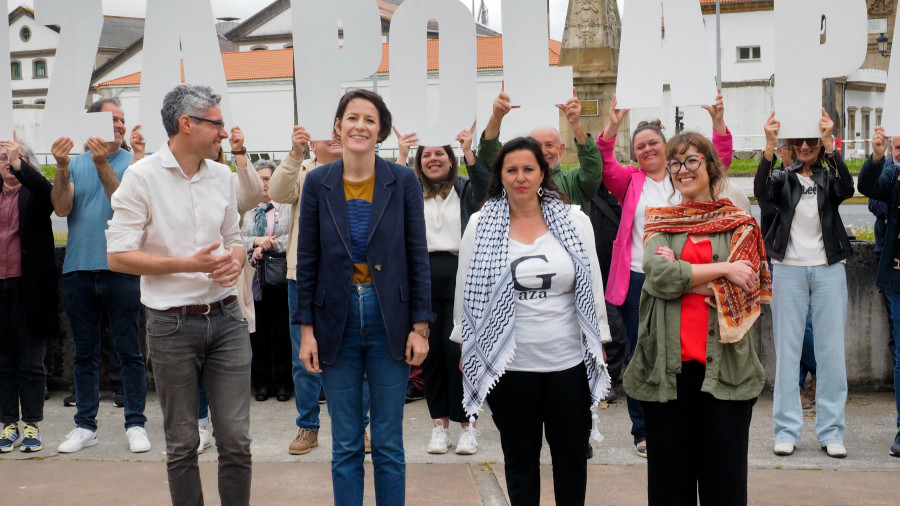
749 53
40 102
15 69
25 34
40 68
289 45
259 48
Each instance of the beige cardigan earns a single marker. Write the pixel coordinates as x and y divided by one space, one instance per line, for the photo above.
249 194
285 188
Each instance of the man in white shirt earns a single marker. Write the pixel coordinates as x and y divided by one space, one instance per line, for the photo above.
176 225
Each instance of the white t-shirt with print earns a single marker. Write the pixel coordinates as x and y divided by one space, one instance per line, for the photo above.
654 194
806 247
547 334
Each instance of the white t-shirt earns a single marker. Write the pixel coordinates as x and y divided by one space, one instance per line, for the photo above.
443 225
806 246
654 194
547 334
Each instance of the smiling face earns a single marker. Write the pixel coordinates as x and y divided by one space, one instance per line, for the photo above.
693 185
650 151
207 137
435 163
808 154
521 176
118 123
358 127
550 143
327 151
895 148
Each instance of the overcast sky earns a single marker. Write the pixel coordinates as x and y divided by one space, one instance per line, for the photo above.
246 8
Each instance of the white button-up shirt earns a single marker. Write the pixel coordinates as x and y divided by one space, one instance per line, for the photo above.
159 210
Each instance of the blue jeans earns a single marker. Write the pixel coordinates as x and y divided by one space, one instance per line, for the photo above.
214 349
630 311
808 354
821 289
895 350
203 412
87 295
364 357
306 384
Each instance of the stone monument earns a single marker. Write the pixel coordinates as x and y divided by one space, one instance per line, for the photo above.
590 46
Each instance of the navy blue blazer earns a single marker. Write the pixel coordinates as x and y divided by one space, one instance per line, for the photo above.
397 255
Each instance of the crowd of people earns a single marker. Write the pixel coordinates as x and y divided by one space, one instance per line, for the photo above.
331 274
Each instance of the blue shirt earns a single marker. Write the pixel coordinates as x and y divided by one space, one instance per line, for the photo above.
86 247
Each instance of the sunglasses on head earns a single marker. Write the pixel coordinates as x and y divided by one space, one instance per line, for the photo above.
812 141
691 163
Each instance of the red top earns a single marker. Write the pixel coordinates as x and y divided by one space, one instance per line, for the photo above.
10 240
694 309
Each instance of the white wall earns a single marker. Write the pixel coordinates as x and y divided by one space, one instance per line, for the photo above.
743 29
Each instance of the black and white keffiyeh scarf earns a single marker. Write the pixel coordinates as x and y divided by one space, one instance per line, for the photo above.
488 313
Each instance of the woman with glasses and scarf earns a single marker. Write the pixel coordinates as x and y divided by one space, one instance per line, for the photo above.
530 315
638 187
808 245
695 369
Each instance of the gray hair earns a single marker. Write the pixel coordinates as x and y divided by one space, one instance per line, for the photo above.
96 106
29 155
264 164
186 100
548 128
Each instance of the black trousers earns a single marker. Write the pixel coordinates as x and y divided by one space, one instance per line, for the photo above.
271 343
527 404
21 358
443 379
697 444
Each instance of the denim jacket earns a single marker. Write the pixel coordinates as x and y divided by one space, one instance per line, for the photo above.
878 180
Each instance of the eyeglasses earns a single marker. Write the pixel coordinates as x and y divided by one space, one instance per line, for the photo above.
218 123
691 163
811 142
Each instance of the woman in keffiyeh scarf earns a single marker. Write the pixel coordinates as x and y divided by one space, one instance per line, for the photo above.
530 315
695 370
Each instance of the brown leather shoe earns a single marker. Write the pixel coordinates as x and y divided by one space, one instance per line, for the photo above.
305 441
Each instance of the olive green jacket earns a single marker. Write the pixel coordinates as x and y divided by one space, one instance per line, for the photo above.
580 184
733 371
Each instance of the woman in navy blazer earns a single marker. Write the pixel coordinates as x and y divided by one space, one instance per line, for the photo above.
364 295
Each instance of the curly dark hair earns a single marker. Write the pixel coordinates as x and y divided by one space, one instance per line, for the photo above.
679 144
495 188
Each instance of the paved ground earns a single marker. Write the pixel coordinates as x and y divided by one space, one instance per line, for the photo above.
109 474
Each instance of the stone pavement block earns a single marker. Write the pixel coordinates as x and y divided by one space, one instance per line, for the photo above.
274 483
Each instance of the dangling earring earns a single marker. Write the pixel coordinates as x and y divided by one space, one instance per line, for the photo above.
503 192
540 192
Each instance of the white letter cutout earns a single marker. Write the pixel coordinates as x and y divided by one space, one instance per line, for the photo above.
6 108
177 27
648 60
320 67
409 70
529 78
801 62
890 119
80 26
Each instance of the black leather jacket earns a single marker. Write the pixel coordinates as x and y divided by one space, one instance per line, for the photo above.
782 188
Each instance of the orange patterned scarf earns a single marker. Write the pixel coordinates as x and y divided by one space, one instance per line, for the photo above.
737 310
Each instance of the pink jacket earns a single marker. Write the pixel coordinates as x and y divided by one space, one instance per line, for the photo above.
626 183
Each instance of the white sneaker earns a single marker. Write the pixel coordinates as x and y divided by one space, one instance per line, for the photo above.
440 439
784 449
137 439
467 444
78 439
836 451
205 440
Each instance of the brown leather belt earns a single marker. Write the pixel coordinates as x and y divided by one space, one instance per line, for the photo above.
201 309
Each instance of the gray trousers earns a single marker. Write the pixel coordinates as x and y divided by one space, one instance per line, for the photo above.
215 348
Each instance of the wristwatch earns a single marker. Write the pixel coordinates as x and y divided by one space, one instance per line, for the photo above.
422 331
242 151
